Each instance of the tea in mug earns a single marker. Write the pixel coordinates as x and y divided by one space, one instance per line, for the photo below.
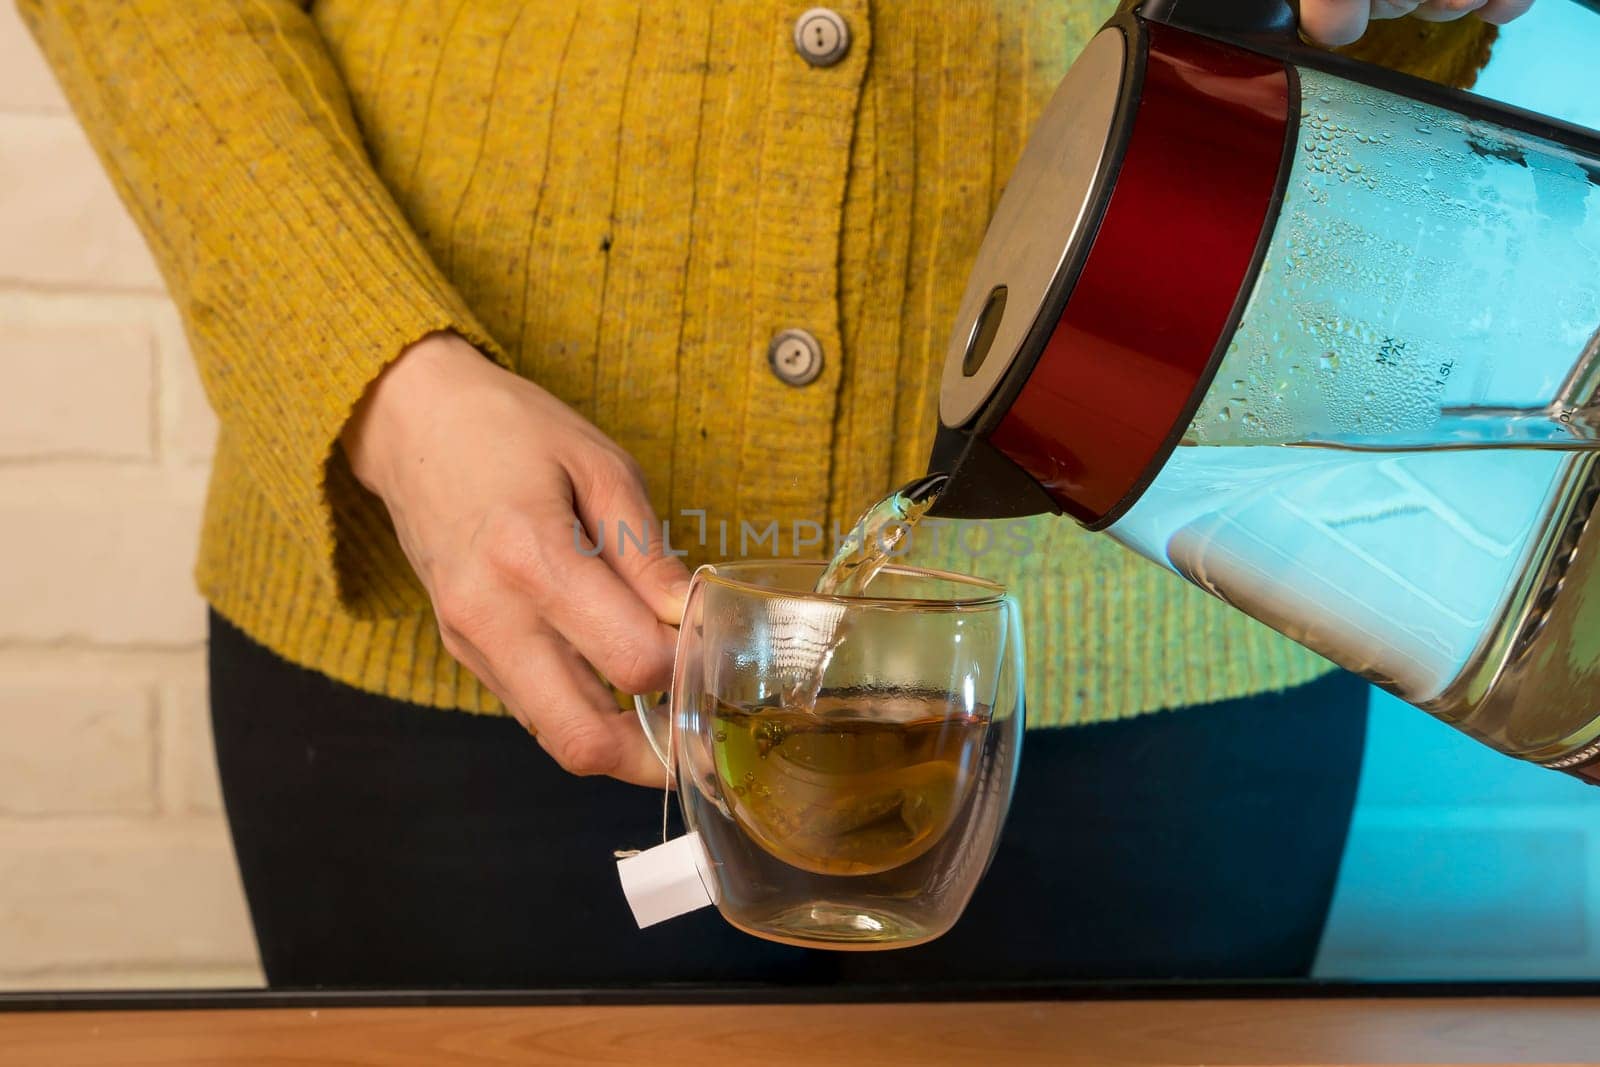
852 785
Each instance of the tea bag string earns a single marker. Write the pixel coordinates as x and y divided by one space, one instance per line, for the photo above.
666 784
666 791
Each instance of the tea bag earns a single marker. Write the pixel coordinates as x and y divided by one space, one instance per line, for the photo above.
803 639
671 879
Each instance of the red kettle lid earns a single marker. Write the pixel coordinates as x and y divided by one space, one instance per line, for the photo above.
1117 261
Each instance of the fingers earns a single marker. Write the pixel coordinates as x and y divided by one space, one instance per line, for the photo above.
551 691
1501 12
614 507
1334 22
1341 22
1393 9
575 717
547 563
1446 10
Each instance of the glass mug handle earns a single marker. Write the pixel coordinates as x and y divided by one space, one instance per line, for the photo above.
655 717
655 709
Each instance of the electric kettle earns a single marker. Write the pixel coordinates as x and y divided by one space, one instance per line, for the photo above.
1321 338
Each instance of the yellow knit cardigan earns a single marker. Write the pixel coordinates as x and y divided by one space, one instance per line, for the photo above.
623 200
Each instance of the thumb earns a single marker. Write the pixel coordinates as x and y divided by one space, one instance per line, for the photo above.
614 507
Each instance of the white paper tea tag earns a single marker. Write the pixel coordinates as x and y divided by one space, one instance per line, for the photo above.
667 881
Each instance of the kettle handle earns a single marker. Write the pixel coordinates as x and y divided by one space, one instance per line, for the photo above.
1265 25
1271 27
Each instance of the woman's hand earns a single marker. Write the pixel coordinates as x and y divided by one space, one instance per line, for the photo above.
1340 22
487 478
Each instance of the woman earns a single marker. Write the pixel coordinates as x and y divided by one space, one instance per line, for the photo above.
460 275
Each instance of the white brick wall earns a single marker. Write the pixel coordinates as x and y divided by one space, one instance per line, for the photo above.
115 866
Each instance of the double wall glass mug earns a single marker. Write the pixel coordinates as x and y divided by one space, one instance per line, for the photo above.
847 762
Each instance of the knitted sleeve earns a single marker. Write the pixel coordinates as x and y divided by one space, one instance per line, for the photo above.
228 133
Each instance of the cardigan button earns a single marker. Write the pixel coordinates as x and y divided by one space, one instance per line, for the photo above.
821 36
795 357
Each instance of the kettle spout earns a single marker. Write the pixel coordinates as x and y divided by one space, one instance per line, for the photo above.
975 480
925 488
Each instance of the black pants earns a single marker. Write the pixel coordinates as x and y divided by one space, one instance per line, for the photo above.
385 844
